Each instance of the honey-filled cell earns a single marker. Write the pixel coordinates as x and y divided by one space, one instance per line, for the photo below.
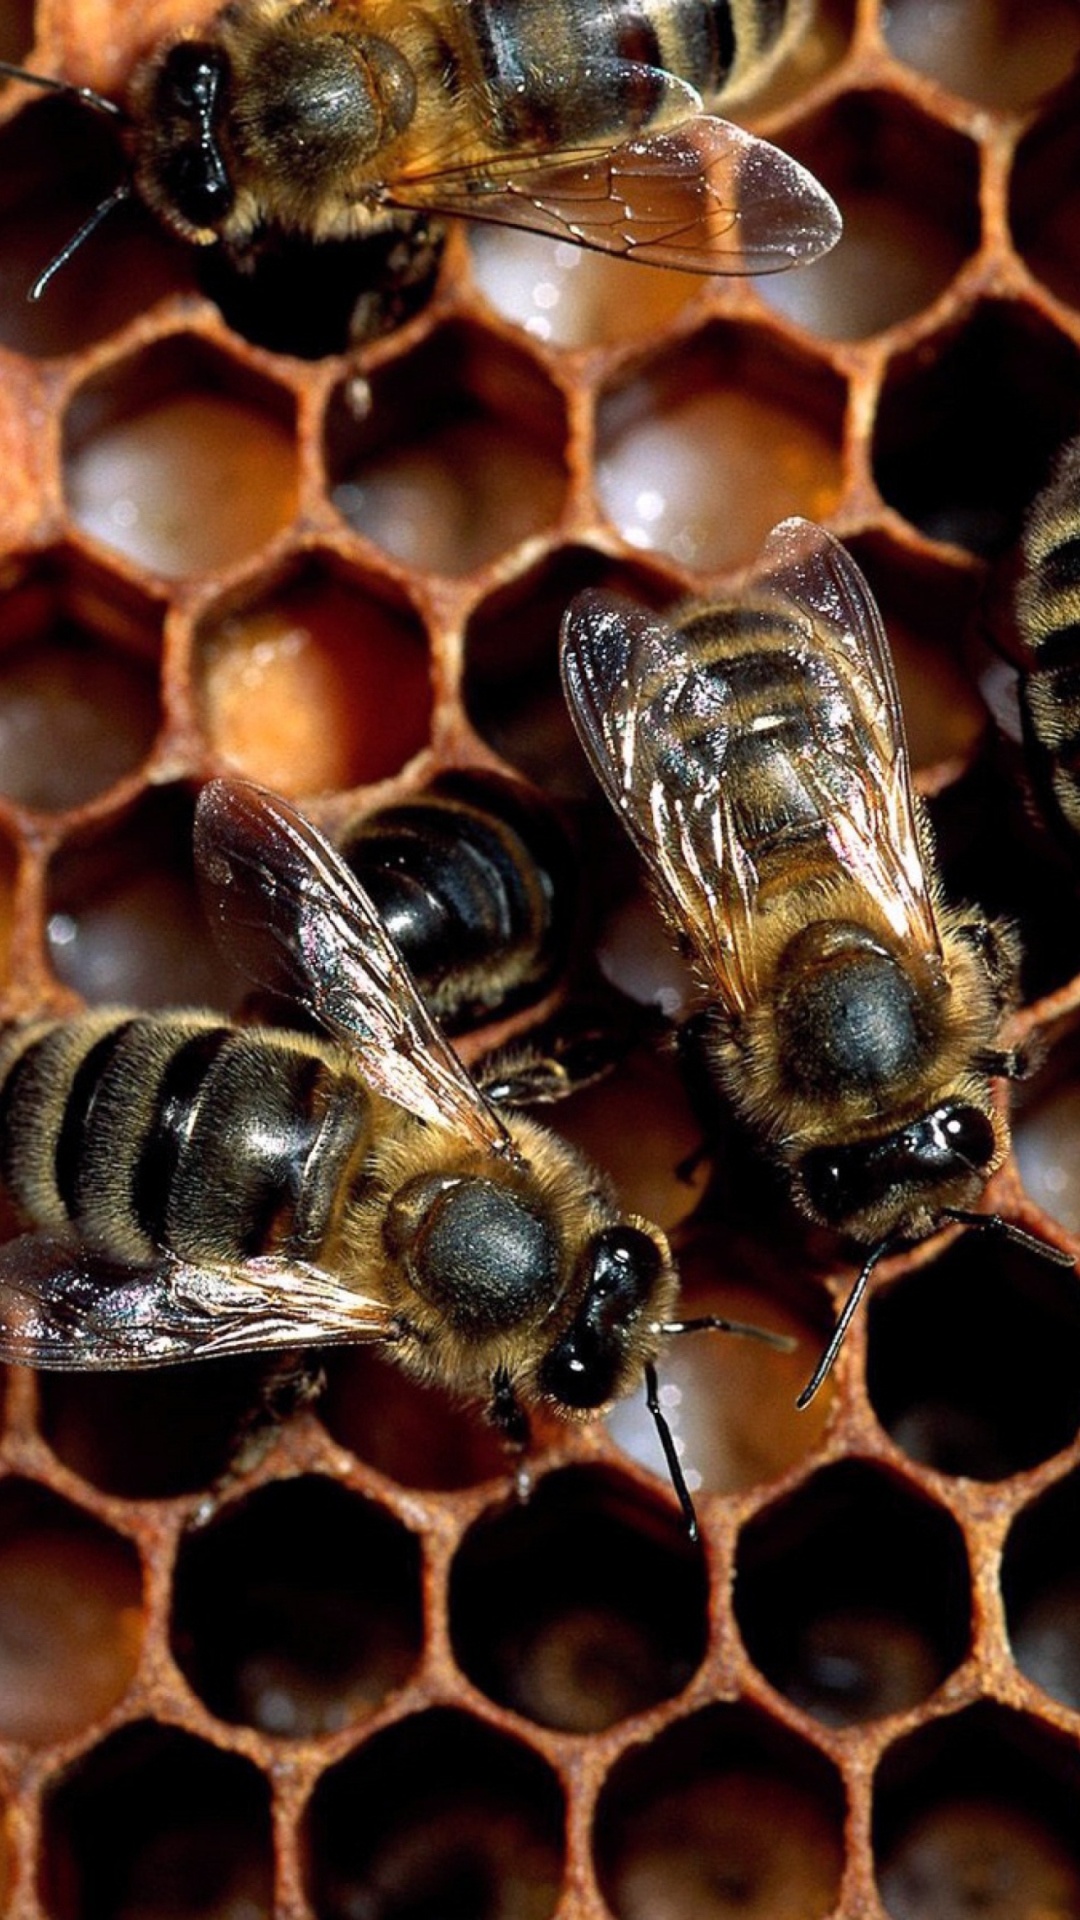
909 192
701 449
569 297
292 685
179 460
995 52
412 1433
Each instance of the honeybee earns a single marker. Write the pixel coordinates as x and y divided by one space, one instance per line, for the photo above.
1048 617
194 1188
474 881
755 751
336 119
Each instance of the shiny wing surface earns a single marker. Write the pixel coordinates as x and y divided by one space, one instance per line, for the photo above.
704 196
288 911
62 1306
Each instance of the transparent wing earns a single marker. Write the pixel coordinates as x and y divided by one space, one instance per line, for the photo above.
874 833
705 196
64 1307
656 720
290 914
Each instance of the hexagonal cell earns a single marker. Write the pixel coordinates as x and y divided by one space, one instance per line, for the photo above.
58 161
180 458
511 683
973 1363
909 189
853 1595
1046 1135
703 448
1040 1586
156 1824
927 609
437 1815
70 1616
1044 200
298 1610
123 917
977 1814
993 51
638 1125
720 1814
571 298
456 455
291 683
79 704
967 424
588 1604
413 1434
16 30
151 1436
729 1400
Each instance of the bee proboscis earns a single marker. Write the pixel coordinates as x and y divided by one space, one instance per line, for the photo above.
755 751
192 1187
337 119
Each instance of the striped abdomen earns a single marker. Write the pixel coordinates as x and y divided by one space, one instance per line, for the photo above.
550 67
1048 611
142 1131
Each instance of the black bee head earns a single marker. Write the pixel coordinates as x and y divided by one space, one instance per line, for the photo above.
622 1267
913 1170
182 168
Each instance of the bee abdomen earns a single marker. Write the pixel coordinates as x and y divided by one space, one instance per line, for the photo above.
142 1132
1048 609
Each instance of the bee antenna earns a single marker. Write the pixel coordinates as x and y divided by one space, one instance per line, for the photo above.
671 1454
716 1323
89 98
89 226
1008 1230
847 1314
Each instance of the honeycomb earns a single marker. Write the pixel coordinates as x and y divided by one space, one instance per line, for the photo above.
226 541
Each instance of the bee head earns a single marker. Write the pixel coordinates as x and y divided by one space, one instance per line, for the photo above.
180 162
622 1273
899 1182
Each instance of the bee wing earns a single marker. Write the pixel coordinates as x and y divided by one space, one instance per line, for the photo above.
63 1306
288 911
873 832
705 196
630 683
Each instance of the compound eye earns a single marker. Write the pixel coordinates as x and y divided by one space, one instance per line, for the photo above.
193 73
579 1372
969 1136
199 188
625 1266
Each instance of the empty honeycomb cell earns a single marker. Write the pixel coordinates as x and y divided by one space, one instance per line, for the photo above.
997 52
721 1814
57 162
729 1399
291 684
79 702
153 1824
511 681
702 448
123 917
1046 1136
71 1624
977 1814
151 1436
413 1434
927 609
180 459
458 457
954 1348
909 189
967 423
437 1815
570 297
583 1606
1040 1585
1044 200
852 1595
298 1610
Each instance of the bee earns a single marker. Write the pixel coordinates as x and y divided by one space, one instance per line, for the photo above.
474 880
190 1187
583 119
755 751
1048 618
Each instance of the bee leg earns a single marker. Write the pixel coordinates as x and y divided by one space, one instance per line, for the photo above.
995 944
405 261
506 1413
